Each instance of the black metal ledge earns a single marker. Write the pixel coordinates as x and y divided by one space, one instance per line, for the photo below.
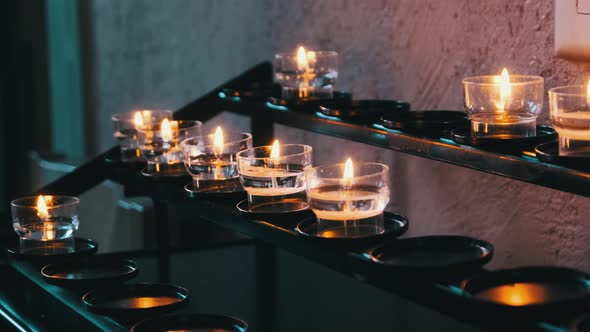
442 295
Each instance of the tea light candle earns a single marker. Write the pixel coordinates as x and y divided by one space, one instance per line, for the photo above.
273 176
212 158
570 115
504 105
348 199
159 145
306 74
126 126
45 218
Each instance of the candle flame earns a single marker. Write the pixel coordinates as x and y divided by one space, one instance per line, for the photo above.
138 120
42 211
166 130
505 89
302 58
275 151
348 169
218 141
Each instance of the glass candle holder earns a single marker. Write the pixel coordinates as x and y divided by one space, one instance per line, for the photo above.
211 159
570 115
273 177
306 74
348 199
503 106
126 125
41 221
160 146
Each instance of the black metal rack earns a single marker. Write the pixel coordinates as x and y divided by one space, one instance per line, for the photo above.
443 295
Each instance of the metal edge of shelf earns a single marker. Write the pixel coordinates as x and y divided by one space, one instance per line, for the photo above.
65 296
523 168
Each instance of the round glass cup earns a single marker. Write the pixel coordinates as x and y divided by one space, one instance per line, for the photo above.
163 154
314 81
352 206
275 184
58 222
125 129
494 115
209 165
569 107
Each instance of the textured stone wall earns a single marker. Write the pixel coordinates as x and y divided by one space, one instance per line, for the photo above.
166 53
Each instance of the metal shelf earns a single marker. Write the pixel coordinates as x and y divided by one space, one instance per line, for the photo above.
441 295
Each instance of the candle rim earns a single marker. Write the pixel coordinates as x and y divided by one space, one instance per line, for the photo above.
306 150
525 79
17 202
282 55
385 170
582 87
156 127
245 137
129 115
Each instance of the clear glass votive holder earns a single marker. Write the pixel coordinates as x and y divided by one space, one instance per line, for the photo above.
312 79
125 127
160 146
570 116
212 164
275 184
348 206
503 111
48 226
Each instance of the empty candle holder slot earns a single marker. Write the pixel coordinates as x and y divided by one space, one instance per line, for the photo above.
306 74
503 106
348 199
508 145
211 160
160 146
127 124
46 224
426 123
273 177
570 115
363 110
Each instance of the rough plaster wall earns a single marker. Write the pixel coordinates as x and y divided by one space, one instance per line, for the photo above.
417 50
163 54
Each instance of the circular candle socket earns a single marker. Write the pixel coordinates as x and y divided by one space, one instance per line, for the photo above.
349 206
125 127
162 149
211 163
312 78
570 116
500 110
272 180
57 220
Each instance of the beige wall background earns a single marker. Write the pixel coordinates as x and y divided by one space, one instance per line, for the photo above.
167 53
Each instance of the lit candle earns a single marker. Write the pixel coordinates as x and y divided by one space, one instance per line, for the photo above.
351 199
166 131
273 171
218 148
218 141
570 116
274 174
503 106
303 64
505 91
138 120
43 214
